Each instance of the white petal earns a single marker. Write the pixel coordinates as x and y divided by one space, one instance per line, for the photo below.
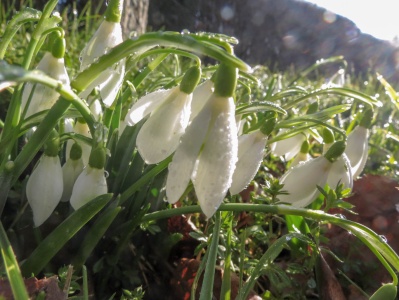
340 172
146 104
217 160
90 184
44 188
110 88
357 149
300 158
301 181
44 97
184 159
108 35
70 170
201 94
251 148
160 135
288 147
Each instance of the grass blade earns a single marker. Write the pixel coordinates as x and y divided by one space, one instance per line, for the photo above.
11 266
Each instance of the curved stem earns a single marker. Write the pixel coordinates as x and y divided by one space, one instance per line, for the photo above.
358 229
151 40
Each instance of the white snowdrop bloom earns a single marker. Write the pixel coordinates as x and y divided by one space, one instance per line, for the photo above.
107 36
207 155
44 188
288 147
169 116
43 97
357 149
300 182
90 184
251 148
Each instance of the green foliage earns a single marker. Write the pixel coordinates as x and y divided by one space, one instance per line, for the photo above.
122 244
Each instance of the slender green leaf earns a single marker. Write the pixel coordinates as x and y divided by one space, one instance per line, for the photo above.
11 266
207 283
94 235
62 234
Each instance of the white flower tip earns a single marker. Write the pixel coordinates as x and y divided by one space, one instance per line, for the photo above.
209 210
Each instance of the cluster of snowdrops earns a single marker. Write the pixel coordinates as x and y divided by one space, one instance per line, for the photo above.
195 122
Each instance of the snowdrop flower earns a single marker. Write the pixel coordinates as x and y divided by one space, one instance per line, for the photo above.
302 180
107 36
207 153
169 112
44 97
251 148
357 149
45 184
91 182
71 170
288 147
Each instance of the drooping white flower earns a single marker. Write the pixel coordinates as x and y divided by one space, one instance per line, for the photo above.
169 116
251 148
207 154
44 188
90 184
160 134
43 97
107 36
288 147
357 149
72 168
302 180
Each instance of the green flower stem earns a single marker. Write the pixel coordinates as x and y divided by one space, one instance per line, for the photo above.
209 275
36 34
339 92
39 137
225 293
150 67
13 113
64 91
357 229
151 40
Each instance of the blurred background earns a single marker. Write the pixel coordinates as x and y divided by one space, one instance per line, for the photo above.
281 34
